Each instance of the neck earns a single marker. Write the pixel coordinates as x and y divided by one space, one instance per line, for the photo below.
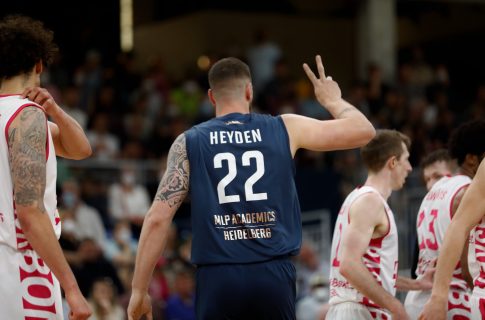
380 181
466 170
224 108
17 84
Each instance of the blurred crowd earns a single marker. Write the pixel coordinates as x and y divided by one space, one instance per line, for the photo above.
131 116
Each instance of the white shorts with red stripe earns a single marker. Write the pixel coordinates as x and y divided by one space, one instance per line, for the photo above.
28 289
353 310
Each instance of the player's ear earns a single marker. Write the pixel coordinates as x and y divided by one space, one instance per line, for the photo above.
39 67
392 162
249 92
472 161
210 94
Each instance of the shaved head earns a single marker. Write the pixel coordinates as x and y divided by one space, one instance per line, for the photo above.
229 77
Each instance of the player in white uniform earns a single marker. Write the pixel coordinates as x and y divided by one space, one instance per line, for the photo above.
434 166
468 146
364 256
32 266
434 217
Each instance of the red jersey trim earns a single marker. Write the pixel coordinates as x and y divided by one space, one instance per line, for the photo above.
373 241
12 118
453 198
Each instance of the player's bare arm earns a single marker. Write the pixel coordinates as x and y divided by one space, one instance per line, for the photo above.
367 220
27 136
171 192
68 136
470 212
424 283
464 255
349 129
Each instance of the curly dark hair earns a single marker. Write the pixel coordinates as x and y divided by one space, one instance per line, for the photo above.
24 42
468 138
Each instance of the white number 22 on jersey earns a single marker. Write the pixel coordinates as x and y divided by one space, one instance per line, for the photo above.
232 172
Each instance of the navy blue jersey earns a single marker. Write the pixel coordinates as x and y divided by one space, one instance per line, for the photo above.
244 202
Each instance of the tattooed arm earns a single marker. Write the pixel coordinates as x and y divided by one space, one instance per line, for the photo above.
171 192
27 136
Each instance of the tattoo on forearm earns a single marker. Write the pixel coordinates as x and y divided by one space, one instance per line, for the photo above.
348 109
175 182
27 149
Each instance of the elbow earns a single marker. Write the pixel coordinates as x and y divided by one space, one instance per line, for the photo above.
24 215
368 132
345 268
84 152
157 219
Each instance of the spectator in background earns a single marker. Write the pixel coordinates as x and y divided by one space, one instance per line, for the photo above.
89 78
307 265
262 57
93 265
129 200
106 146
314 306
87 220
180 304
70 104
120 249
104 301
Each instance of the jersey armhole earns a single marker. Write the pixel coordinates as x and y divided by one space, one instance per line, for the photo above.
452 202
381 238
287 142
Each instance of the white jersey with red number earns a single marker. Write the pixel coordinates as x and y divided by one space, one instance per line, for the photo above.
433 219
28 288
478 296
381 258
479 288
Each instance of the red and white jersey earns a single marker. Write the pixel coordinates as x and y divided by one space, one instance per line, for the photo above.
381 257
10 231
433 219
479 283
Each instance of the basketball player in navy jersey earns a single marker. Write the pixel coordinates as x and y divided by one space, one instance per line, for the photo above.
245 211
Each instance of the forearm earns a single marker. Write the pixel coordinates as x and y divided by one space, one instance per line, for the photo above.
407 284
71 135
362 280
153 239
38 230
352 118
454 241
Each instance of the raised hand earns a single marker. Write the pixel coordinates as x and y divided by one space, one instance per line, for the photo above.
327 91
43 98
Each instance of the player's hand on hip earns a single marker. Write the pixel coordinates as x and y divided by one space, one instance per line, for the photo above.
426 282
79 307
140 305
434 309
43 98
327 91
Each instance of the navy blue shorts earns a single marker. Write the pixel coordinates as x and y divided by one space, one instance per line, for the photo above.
256 291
